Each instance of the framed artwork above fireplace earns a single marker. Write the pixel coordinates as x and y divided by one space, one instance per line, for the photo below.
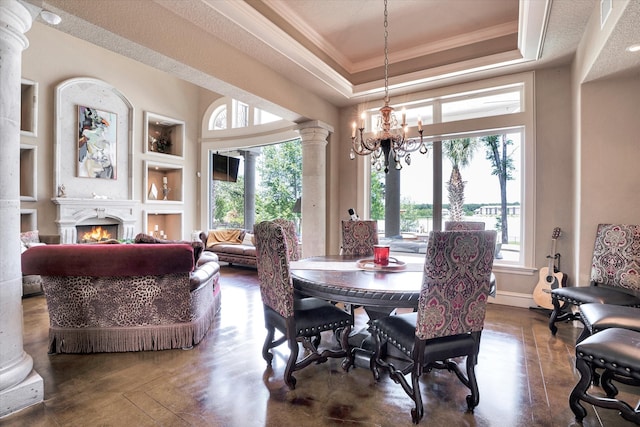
97 143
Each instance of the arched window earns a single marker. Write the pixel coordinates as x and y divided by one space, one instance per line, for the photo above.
218 119
227 114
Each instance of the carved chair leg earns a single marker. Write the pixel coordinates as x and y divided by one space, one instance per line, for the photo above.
609 376
316 341
580 393
293 354
344 345
375 358
554 315
580 390
291 363
268 344
474 398
418 411
607 384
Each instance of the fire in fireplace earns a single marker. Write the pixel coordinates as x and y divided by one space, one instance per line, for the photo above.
96 233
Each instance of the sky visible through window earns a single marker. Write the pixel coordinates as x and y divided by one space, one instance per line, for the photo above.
416 182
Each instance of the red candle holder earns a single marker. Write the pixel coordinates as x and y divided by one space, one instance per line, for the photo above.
381 255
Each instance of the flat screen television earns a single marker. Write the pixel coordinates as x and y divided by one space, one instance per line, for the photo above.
225 168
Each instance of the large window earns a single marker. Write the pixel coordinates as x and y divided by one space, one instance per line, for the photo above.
278 185
478 167
269 164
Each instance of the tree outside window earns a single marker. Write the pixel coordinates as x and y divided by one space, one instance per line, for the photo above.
480 182
280 183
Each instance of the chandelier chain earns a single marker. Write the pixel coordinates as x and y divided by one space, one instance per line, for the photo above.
386 53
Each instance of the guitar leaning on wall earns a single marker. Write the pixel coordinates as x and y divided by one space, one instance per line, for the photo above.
550 276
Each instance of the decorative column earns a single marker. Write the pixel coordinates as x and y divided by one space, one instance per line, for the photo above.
392 202
249 188
314 187
20 385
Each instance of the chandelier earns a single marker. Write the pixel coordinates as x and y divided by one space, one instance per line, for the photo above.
390 140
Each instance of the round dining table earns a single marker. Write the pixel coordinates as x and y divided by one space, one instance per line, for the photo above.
354 281
358 282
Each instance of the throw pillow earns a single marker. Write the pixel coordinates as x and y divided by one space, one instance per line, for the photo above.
28 237
145 238
248 239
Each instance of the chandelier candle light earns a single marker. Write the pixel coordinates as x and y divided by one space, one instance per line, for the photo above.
389 139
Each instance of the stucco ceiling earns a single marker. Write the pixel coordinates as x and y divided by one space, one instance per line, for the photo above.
334 48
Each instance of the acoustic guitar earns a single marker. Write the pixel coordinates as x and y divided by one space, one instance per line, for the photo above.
550 276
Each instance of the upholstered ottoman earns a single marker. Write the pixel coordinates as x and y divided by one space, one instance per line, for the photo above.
598 317
617 351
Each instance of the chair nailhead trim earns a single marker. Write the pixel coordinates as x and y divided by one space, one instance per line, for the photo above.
385 337
325 327
630 371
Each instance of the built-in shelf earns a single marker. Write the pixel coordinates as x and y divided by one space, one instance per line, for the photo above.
29 108
28 172
163 182
28 220
164 136
164 224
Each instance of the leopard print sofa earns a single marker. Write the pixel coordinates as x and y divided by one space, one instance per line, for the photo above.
125 297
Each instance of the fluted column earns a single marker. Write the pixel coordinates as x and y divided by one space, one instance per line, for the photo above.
20 385
314 187
249 188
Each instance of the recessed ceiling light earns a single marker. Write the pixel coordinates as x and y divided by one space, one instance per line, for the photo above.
634 48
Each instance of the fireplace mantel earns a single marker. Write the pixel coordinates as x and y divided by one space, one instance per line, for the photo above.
74 211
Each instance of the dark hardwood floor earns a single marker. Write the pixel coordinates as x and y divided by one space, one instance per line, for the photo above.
525 377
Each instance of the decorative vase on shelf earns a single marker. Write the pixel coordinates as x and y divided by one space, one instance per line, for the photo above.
153 192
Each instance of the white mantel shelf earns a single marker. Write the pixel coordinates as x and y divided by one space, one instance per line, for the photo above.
78 211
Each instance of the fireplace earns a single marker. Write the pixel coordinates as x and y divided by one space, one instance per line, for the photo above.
74 213
96 233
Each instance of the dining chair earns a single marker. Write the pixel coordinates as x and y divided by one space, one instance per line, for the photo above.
463 225
450 316
615 274
291 236
298 319
359 237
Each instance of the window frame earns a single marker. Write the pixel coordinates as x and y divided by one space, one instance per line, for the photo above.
524 119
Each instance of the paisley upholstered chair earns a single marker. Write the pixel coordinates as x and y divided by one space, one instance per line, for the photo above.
297 319
463 225
291 236
615 274
450 316
359 237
